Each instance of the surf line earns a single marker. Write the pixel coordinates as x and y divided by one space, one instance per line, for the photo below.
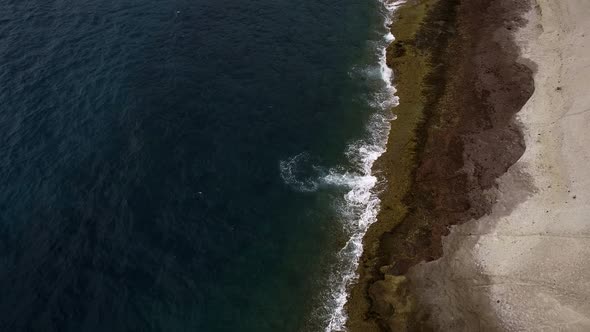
362 200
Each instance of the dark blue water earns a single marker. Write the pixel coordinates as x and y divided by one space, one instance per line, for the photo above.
140 143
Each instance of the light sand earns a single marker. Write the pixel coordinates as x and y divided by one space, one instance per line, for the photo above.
526 267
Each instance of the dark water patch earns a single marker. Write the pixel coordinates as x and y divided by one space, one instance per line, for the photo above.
140 187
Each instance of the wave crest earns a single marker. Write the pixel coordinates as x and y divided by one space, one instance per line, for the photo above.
361 202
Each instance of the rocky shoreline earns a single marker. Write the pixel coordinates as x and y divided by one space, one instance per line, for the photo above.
460 83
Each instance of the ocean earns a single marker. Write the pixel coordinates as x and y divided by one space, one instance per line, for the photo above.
180 165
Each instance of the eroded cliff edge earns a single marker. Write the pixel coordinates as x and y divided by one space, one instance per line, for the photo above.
460 83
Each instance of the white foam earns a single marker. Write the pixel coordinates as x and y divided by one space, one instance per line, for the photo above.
362 201
389 37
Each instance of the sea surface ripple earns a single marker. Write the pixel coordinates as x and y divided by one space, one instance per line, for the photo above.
142 155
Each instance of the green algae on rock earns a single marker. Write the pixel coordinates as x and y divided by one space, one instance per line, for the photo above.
412 65
459 90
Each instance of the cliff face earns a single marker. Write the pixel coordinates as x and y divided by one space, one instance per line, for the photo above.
459 85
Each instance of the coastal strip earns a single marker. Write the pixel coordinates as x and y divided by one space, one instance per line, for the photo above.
460 82
525 267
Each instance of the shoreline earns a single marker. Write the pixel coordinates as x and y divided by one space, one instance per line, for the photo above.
459 84
362 199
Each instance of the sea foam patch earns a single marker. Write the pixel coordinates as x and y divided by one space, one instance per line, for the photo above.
294 174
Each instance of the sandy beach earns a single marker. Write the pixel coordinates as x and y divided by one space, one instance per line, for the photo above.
525 266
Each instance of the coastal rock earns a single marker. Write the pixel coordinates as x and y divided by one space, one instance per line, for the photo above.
466 140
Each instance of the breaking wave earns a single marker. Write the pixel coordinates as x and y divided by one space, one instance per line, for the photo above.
361 202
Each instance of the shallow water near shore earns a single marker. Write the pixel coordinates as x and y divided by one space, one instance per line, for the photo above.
186 166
